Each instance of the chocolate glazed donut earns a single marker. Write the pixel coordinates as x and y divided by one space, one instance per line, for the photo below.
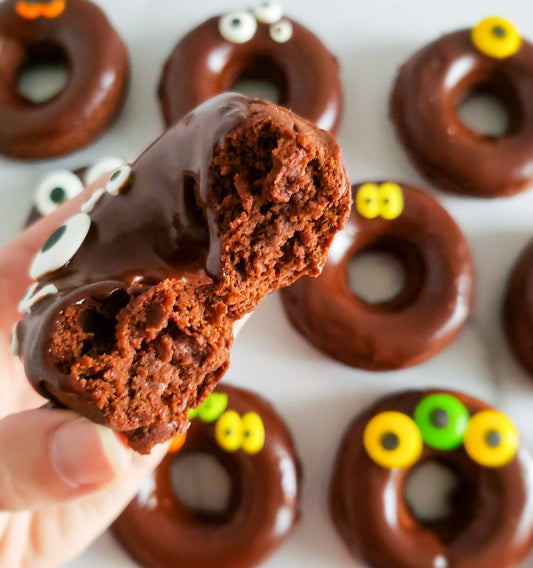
490 522
79 35
491 58
257 44
244 433
423 317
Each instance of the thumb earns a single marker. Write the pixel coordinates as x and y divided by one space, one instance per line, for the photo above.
50 456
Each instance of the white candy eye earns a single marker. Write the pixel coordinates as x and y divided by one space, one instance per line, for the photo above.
88 206
237 27
56 188
32 296
268 12
118 180
102 167
61 246
281 31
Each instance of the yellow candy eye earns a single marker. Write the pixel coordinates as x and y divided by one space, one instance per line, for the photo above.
367 201
393 440
391 198
491 439
229 431
496 37
253 433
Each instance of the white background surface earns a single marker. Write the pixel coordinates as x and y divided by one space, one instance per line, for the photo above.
317 396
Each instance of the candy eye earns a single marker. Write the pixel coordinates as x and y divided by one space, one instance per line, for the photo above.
392 439
228 431
491 439
177 443
118 181
28 10
268 12
237 27
15 345
496 37
61 246
88 205
253 433
56 188
53 9
212 407
33 295
281 31
391 197
367 201
442 420
100 168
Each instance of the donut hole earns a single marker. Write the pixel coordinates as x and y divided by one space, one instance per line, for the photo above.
490 108
261 78
44 72
202 484
445 496
388 275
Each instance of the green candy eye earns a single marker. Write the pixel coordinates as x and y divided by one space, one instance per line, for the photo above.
442 420
212 407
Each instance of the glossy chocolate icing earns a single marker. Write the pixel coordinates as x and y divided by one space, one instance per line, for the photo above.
518 309
157 238
302 69
427 90
160 532
491 523
97 60
420 320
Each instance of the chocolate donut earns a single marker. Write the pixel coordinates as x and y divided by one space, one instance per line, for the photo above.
423 317
491 58
130 320
77 33
254 44
489 523
518 309
59 186
246 436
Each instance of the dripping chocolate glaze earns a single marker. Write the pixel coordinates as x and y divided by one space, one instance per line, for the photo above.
138 238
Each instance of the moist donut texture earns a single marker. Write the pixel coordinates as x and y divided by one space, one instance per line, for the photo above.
148 335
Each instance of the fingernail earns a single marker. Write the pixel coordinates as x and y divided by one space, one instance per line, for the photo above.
84 453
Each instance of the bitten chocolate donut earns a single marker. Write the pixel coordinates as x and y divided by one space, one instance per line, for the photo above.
251 442
130 320
490 58
78 34
423 317
255 44
489 522
59 186
518 309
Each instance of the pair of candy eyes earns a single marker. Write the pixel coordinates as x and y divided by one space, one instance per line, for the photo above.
240 27
496 37
394 440
385 200
30 9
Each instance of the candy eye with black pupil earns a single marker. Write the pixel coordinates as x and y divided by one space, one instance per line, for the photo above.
56 188
442 420
100 168
229 431
237 27
268 12
491 439
496 37
61 246
118 180
253 433
392 440
281 31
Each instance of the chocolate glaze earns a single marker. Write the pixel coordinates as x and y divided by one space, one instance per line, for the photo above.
160 532
420 320
427 90
83 38
518 309
302 69
157 238
491 523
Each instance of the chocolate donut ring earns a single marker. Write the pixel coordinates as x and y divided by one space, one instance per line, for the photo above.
489 523
490 58
159 531
82 37
423 317
257 44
